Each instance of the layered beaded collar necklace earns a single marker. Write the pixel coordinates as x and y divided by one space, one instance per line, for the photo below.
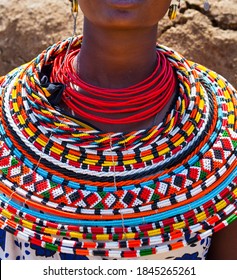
117 194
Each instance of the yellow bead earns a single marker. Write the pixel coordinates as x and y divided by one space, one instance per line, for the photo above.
75 6
173 11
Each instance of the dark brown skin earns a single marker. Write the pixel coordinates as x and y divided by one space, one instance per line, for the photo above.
224 244
119 50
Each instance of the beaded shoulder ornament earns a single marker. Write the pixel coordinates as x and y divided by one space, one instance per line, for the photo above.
77 190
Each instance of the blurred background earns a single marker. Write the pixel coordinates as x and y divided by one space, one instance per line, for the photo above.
29 26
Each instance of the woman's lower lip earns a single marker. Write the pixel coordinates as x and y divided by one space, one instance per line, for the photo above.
124 3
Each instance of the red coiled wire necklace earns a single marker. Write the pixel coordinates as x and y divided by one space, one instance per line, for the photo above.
135 103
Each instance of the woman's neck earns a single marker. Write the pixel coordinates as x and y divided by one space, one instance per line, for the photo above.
116 58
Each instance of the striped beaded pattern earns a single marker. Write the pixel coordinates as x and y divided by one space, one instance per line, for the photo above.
117 194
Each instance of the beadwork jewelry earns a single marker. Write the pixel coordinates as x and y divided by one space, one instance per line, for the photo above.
74 11
75 5
173 9
116 195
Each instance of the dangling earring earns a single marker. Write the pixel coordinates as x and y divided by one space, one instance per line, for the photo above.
75 8
206 6
173 9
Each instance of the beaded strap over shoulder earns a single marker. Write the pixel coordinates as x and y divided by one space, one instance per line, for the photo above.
74 189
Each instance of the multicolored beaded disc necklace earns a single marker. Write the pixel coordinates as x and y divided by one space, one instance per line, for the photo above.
71 188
